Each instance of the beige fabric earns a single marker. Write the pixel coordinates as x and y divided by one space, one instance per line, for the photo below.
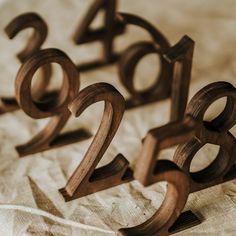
29 201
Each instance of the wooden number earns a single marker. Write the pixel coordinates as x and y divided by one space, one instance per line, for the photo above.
25 21
112 27
175 63
181 56
133 54
56 107
86 179
192 133
168 217
159 138
21 22
147 172
215 132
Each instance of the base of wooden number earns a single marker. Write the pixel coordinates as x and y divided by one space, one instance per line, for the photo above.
103 179
185 221
61 140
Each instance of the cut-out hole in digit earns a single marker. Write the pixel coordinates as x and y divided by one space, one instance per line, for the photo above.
98 21
167 153
215 109
146 71
204 157
51 91
129 61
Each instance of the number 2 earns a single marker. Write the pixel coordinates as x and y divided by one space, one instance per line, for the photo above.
86 179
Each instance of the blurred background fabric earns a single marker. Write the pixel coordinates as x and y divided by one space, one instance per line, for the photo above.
30 203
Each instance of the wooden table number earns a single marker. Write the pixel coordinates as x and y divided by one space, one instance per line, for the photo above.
161 89
22 22
55 107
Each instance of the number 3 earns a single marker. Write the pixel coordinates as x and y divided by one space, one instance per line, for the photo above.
22 22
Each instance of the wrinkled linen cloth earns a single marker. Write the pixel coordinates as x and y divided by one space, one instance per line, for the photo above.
30 203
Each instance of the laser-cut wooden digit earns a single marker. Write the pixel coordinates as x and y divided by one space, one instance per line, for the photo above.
22 22
133 54
147 165
112 27
181 55
162 222
215 132
168 84
56 107
86 179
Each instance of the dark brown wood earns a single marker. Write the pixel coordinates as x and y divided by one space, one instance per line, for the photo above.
150 170
177 59
181 55
25 21
22 22
86 179
133 54
176 196
55 107
185 221
215 132
106 34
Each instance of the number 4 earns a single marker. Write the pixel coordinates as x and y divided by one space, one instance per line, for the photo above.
106 34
